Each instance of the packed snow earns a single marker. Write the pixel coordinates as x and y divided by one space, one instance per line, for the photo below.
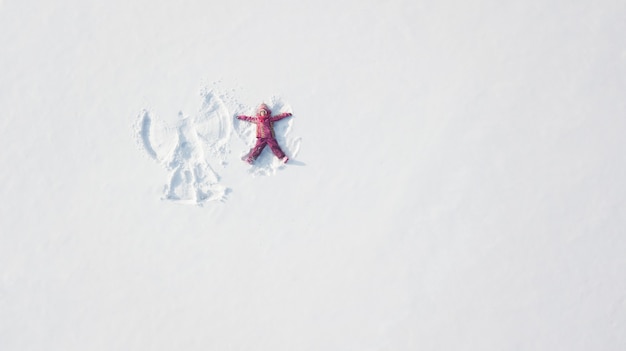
456 177
192 178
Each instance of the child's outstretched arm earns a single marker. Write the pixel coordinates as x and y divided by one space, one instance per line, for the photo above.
281 116
246 118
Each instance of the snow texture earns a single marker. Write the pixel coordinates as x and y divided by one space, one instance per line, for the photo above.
464 186
198 140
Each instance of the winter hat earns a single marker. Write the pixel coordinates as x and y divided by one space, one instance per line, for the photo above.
263 106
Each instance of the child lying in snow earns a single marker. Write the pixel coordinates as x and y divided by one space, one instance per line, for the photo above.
265 133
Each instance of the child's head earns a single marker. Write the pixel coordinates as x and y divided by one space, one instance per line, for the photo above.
263 110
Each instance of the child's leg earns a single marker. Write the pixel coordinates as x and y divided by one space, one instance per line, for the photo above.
275 148
256 150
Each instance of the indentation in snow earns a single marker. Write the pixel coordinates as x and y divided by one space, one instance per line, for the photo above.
143 132
188 149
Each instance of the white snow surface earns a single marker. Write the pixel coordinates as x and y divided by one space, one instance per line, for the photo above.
458 180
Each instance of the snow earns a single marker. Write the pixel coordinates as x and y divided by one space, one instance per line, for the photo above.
459 184
192 179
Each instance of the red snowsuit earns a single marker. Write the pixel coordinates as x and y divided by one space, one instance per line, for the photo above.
265 133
